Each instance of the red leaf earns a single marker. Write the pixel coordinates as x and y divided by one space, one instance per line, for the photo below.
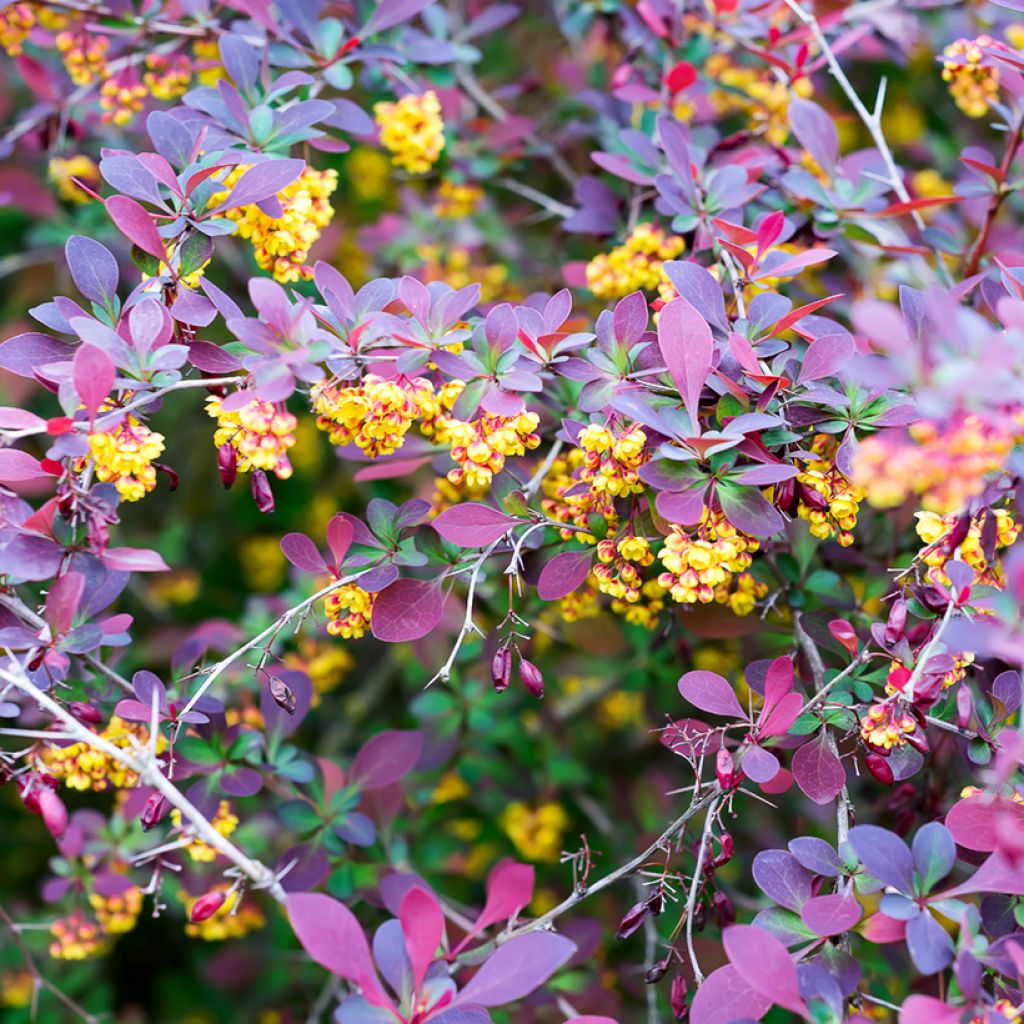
93 375
687 348
725 997
765 965
473 525
339 538
974 820
406 610
423 927
795 315
136 225
681 77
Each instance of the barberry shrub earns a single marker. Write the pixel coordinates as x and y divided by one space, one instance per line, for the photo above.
510 514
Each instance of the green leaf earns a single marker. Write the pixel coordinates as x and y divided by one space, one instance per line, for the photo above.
198 751
299 816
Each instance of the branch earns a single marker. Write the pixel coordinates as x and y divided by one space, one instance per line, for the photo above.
144 764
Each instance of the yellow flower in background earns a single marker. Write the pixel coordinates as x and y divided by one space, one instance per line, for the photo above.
263 563
208 69
229 922
412 130
368 174
450 787
973 84
224 821
63 170
117 914
455 200
634 265
16 21
77 938
536 833
326 665
83 767
16 987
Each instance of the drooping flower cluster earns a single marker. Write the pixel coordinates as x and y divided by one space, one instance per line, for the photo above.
988 533
827 500
376 414
85 56
281 244
412 130
16 22
481 446
636 264
75 937
122 96
118 912
82 767
566 502
537 832
223 821
166 77
702 568
124 456
612 459
887 724
348 611
973 83
259 434
618 573
456 200
945 466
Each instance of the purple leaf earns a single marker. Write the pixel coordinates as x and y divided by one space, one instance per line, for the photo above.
136 225
934 853
763 963
884 856
687 347
261 182
92 267
816 132
726 997
683 507
748 511
780 717
929 1010
302 553
423 927
760 765
389 13
975 821
929 944
330 934
63 600
473 525
406 610
517 968
134 560
17 467
710 692
509 889
831 915
23 353
825 356
765 475
93 375
565 573
997 874
818 770
780 876
386 758
816 855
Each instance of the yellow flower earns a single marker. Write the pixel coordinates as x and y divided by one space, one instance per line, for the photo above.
481 447
412 130
198 849
231 921
63 169
260 432
536 833
117 914
85 56
83 767
124 456
348 610
16 987
634 265
77 938
973 85
449 788
208 68
456 201
16 22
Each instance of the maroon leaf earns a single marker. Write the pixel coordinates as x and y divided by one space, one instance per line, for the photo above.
406 610
763 963
136 225
831 915
93 375
710 692
472 525
687 347
63 600
565 573
386 758
781 716
340 532
818 770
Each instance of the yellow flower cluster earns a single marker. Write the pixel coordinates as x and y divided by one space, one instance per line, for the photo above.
348 610
755 93
261 433
611 461
618 573
450 787
83 767
84 55
835 515
117 914
973 85
281 244
122 96
231 921
931 528
376 414
886 725
167 78
563 506
634 265
456 267
961 663
75 937
124 456
325 664
412 130
536 833
208 69
582 603
456 200
481 446
16 987
646 609
446 494
63 171
223 821
16 21
946 467
702 568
